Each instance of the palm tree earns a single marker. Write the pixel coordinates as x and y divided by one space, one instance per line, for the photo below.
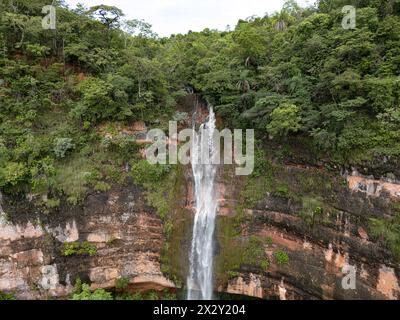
243 84
282 19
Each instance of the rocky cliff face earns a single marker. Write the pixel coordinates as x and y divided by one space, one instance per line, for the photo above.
288 232
129 239
127 233
324 254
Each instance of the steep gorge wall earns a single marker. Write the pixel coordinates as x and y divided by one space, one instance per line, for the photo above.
127 233
132 241
317 253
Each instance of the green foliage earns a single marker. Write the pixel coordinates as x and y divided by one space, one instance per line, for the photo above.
73 177
284 119
387 232
233 274
53 203
96 102
292 73
180 117
62 146
7 296
78 248
87 294
236 252
36 51
282 191
281 257
108 15
149 295
122 283
159 180
143 172
77 286
254 253
102 186
313 209
12 174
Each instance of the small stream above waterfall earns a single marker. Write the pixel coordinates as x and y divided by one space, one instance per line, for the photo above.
200 279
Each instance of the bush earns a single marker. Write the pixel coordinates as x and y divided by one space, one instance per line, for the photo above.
236 252
284 119
7 296
78 248
180 117
12 174
143 172
387 232
73 177
86 294
313 209
102 186
62 146
36 50
281 257
282 191
122 283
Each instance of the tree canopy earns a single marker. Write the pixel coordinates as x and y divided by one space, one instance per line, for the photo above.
295 75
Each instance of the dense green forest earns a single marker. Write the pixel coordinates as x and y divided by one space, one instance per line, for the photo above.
295 76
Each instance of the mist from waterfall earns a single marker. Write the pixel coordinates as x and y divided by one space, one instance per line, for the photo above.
200 279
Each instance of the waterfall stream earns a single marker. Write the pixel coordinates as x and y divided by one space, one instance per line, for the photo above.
200 279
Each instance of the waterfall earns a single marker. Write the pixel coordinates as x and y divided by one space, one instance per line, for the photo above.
200 279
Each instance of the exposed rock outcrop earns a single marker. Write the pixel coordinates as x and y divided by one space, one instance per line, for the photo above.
127 233
332 259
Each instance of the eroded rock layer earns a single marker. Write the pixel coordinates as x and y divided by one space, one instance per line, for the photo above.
322 255
127 233
333 258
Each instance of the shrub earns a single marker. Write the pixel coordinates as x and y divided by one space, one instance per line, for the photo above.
167 295
52 203
254 253
237 252
73 176
281 257
7 296
312 210
62 146
86 294
102 186
78 248
233 274
12 174
122 283
387 232
180 117
152 295
284 119
282 191
143 172
137 296
36 50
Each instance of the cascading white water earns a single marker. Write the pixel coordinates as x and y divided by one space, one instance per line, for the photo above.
200 279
